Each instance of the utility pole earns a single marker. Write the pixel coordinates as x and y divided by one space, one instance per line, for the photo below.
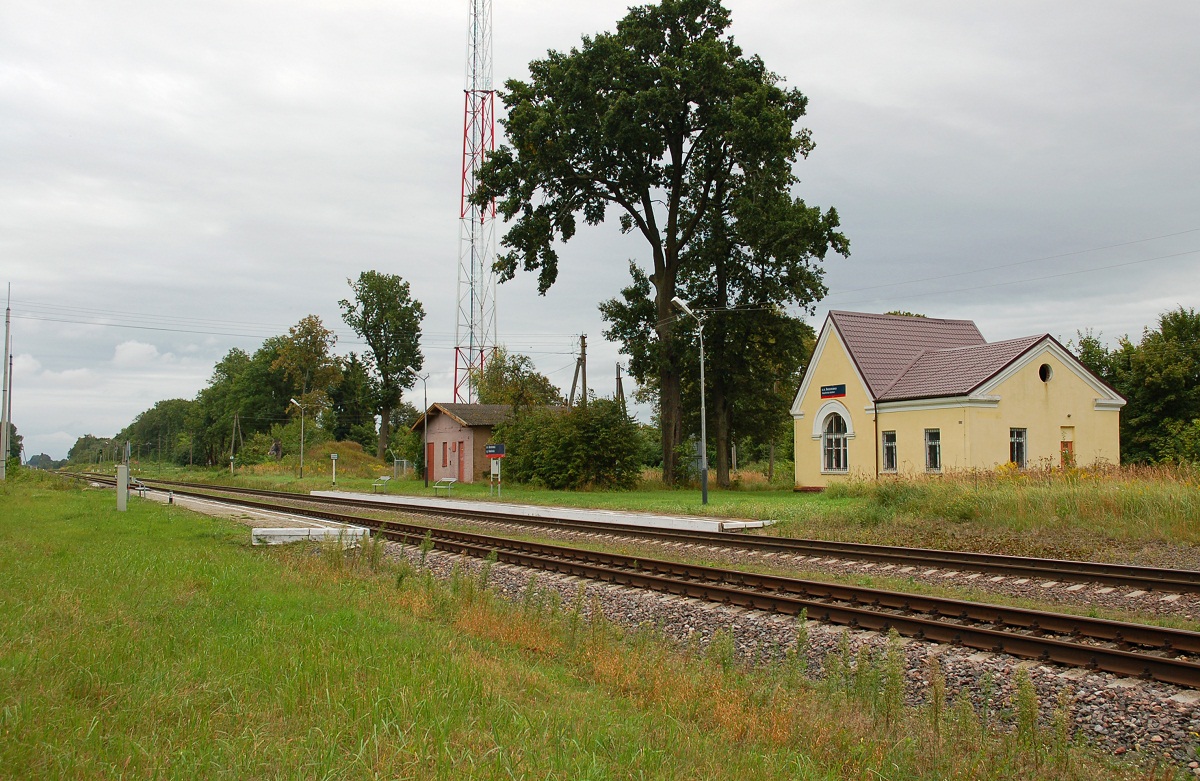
301 406
580 372
682 306
5 401
620 391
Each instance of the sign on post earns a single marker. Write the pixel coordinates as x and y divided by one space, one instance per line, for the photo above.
333 460
495 452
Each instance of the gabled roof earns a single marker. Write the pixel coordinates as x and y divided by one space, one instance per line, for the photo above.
902 358
468 414
956 371
884 346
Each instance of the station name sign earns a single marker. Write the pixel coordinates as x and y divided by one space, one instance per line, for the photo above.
494 451
833 391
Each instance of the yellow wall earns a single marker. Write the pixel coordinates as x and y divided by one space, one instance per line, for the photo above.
835 368
973 434
1047 410
910 425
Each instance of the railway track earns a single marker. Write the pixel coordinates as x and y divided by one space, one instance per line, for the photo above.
1061 570
1156 653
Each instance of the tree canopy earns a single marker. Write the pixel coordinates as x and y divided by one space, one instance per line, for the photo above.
511 378
307 362
387 317
1160 378
667 122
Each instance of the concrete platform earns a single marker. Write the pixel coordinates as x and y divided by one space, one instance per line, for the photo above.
350 535
648 520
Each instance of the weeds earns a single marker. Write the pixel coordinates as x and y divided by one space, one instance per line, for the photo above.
893 679
426 546
1025 704
485 571
722 649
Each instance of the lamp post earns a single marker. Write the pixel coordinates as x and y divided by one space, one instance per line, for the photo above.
301 406
424 421
679 304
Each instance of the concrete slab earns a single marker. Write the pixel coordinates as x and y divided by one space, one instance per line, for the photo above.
651 520
350 535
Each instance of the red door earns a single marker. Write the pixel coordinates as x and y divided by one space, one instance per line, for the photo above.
1066 452
429 461
461 456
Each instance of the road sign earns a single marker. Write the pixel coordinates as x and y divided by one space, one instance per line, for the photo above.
333 456
494 450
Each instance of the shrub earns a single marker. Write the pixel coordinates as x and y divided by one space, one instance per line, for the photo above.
593 446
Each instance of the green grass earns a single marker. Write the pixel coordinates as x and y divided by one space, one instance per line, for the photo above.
157 643
1148 516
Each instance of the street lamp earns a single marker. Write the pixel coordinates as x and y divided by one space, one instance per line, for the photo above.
301 406
679 304
424 420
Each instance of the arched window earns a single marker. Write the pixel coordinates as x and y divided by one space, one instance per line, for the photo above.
834 456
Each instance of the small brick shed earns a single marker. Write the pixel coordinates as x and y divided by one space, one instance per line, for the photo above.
457 435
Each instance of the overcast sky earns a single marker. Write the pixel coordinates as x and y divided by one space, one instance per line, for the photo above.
177 179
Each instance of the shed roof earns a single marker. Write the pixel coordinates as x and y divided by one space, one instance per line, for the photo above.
469 414
956 371
884 346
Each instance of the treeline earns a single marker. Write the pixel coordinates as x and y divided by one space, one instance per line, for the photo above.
253 405
1159 375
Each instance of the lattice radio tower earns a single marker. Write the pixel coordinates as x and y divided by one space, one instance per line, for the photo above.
475 329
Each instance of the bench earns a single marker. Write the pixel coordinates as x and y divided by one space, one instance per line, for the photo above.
444 485
380 483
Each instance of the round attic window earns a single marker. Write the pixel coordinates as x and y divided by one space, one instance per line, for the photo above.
1045 372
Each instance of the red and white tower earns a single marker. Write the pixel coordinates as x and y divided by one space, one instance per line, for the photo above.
475 329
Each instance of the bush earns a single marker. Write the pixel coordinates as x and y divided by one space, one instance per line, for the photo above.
597 446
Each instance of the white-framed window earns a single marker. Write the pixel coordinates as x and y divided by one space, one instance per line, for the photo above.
834 445
933 450
1017 450
889 451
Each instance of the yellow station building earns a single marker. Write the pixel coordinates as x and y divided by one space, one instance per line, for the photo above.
889 394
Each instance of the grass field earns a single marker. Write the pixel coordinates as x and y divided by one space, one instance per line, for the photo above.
157 644
1137 515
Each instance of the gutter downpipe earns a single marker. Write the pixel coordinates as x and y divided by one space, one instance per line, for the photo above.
875 404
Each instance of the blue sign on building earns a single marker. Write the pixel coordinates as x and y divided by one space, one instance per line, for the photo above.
833 391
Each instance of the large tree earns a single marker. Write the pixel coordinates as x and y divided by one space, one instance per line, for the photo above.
306 360
210 419
666 121
754 354
354 404
511 378
157 429
1160 378
388 318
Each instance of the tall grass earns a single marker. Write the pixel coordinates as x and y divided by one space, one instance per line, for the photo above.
1159 503
157 643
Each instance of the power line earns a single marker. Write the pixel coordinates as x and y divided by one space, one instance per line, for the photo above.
1017 263
1031 279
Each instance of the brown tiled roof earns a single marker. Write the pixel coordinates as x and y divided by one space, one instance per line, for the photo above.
470 414
956 371
884 346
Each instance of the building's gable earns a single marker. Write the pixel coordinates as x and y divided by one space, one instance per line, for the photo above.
827 364
1105 398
